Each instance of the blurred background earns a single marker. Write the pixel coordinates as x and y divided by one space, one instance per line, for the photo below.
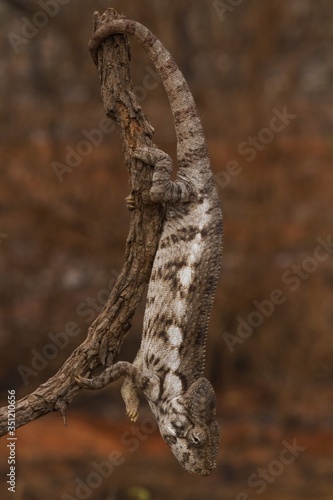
262 74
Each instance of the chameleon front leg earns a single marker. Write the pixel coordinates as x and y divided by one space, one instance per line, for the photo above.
134 379
163 189
128 391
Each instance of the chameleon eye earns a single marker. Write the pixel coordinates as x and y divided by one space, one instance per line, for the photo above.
197 437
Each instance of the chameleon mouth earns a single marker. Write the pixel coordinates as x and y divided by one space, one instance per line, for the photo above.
205 470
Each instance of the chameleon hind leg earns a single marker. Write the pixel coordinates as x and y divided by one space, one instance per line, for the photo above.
163 189
134 379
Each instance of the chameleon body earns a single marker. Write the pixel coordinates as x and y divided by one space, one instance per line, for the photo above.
170 362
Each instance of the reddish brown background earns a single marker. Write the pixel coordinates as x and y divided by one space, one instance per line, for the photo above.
62 243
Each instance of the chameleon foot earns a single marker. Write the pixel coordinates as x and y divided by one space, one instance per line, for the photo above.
130 202
84 382
132 414
131 399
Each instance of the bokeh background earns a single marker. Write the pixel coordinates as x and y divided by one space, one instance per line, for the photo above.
262 74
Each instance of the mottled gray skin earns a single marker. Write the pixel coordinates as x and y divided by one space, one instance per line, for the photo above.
170 362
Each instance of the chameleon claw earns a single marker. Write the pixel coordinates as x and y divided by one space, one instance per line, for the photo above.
133 415
130 202
83 382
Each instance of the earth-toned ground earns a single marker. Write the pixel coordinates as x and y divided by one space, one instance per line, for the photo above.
103 458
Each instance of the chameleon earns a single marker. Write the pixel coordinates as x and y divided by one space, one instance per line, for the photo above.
169 365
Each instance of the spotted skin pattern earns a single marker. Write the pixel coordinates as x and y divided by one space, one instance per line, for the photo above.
170 362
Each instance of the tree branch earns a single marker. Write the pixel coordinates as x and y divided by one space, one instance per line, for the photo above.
108 331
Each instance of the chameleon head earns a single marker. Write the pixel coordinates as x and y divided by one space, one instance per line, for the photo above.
190 429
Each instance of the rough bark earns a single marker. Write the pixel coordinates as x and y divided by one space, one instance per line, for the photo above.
108 331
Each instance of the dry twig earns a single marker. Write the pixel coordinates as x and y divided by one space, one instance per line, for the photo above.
108 331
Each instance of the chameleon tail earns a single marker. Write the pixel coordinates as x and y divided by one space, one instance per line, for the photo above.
191 143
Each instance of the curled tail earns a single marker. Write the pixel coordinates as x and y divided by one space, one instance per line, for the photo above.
191 143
